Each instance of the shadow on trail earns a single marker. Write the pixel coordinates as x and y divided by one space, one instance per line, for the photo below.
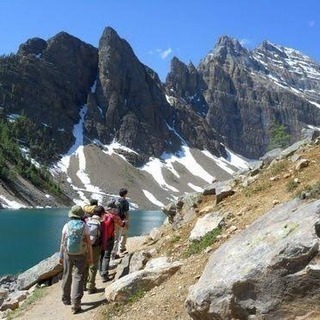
92 305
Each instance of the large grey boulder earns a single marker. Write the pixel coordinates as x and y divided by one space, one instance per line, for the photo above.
268 265
132 262
224 189
206 224
182 210
156 271
45 270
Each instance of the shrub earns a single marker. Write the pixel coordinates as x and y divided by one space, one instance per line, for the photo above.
197 246
312 192
254 189
291 185
279 138
278 168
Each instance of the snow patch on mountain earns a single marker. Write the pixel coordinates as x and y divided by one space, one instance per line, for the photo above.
152 198
7 204
155 167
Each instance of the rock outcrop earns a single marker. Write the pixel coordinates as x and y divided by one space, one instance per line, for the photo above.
271 263
67 93
244 94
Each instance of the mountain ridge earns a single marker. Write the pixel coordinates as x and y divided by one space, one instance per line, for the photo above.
234 99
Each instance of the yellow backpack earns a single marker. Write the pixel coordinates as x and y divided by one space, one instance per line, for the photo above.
88 209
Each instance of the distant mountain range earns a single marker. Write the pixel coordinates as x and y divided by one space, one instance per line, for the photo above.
101 120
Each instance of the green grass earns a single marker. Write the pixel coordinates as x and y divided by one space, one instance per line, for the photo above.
136 296
112 311
254 189
278 167
198 246
310 192
37 294
291 185
175 239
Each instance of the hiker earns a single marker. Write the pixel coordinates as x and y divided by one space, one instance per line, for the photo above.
95 238
75 251
124 215
110 221
88 208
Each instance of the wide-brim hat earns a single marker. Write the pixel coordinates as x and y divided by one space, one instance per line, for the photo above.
76 212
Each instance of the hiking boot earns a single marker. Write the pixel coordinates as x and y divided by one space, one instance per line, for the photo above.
66 302
107 278
76 309
112 266
92 291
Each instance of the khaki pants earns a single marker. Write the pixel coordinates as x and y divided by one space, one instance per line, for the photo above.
117 239
92 272
123 240
73 278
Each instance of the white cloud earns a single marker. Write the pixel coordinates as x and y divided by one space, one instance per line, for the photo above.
245 42
162 53
311 23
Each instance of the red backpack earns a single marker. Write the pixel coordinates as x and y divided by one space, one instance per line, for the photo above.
107 228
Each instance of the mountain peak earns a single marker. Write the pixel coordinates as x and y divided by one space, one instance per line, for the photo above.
32 46
269 47
109 32
64 36
226 48
232 45
226 40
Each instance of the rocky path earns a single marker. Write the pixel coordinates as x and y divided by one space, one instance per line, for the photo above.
50 306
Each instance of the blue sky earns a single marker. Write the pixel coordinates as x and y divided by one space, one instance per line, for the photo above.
158 30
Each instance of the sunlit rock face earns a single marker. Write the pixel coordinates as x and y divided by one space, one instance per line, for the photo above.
73 95
243 94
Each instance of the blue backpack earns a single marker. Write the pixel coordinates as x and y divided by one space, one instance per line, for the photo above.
74 241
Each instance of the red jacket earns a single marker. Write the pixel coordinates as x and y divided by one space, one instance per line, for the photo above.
108 226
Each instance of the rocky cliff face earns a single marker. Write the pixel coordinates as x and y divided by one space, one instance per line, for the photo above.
243 93
233 98
48 82
134 109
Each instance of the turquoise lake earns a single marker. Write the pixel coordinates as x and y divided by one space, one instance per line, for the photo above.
30 235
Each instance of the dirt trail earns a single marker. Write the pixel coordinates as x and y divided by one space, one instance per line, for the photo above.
50 307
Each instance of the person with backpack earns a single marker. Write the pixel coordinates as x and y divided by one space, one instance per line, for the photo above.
88 208
75 251
95 239
110 221
123 205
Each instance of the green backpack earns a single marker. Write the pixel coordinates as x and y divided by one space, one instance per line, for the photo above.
74 241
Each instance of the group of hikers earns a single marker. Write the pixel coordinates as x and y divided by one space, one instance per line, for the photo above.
93 236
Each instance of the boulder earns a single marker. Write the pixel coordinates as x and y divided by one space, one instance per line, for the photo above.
223 190
155 234
183 209
156 271
43 271
268 265
9 304
206 224
132 262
